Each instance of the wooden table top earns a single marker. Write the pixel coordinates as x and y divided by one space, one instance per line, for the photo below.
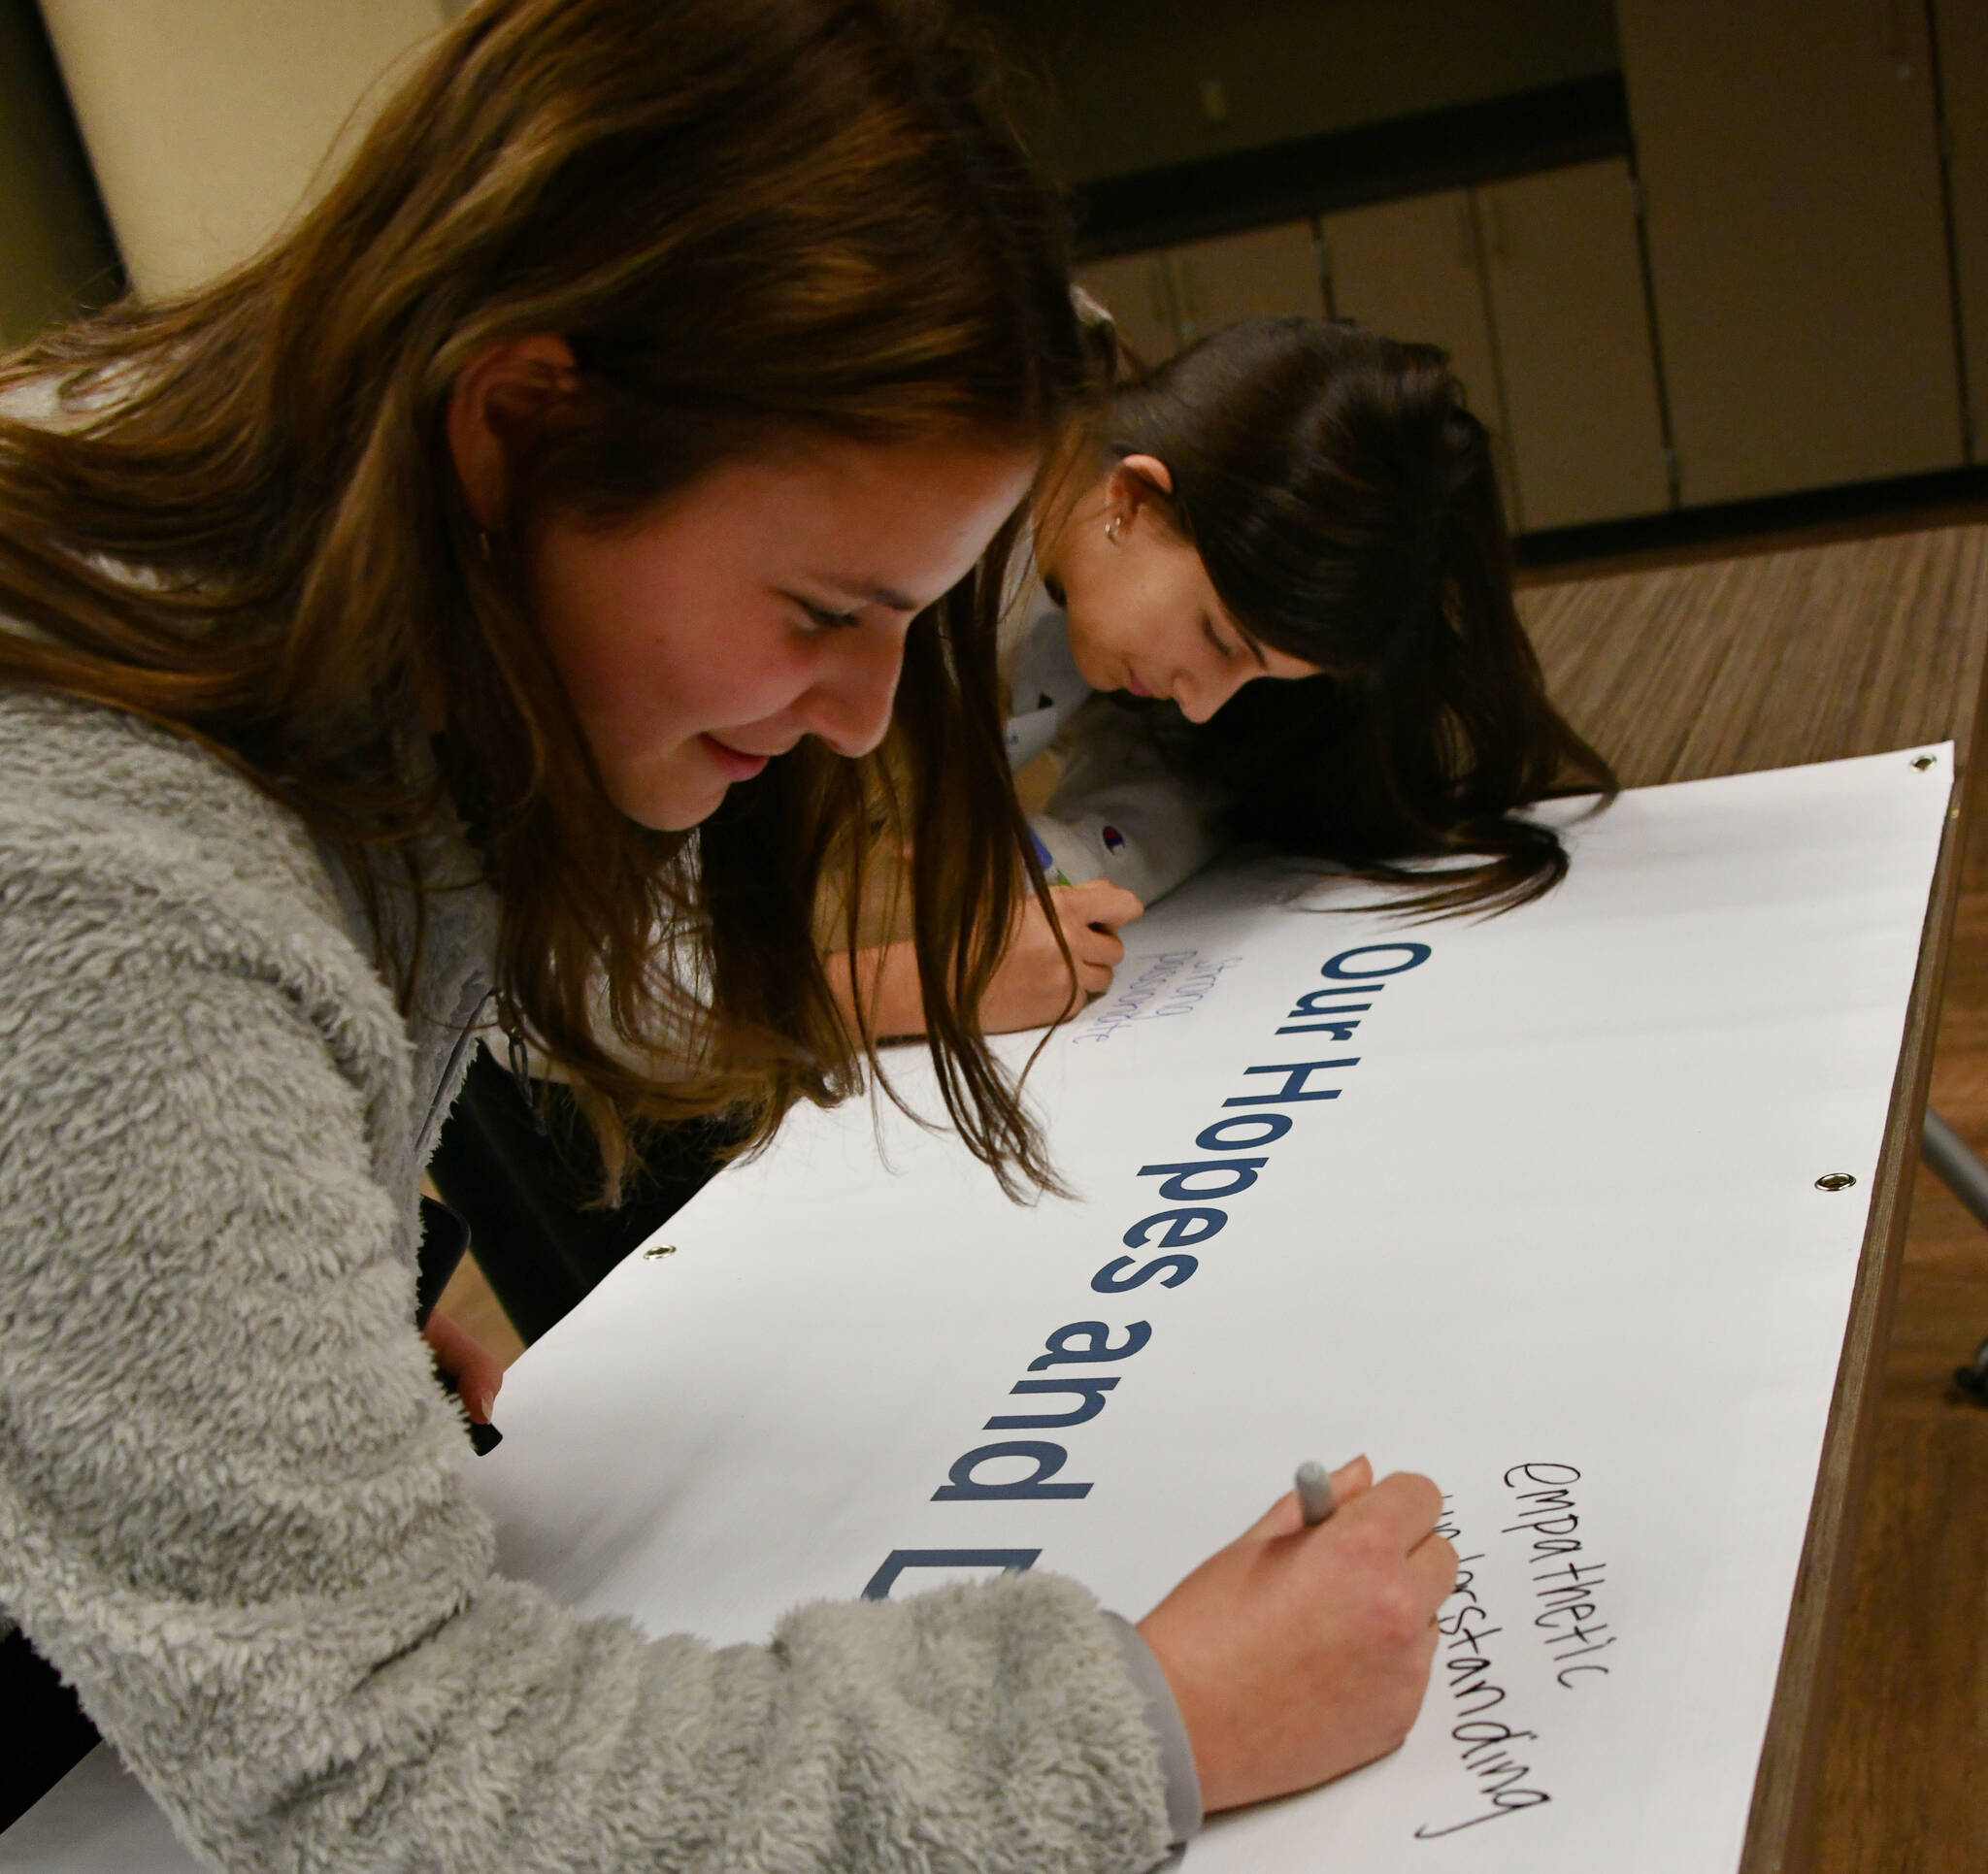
1769 661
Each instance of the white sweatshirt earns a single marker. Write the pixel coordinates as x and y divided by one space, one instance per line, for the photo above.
1118 810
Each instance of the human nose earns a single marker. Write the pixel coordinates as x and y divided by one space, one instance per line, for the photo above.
849 702
1201 693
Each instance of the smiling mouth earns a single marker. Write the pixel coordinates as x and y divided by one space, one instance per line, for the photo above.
735 764
1133 683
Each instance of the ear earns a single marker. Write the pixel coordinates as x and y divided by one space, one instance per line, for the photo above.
494 405
1134 484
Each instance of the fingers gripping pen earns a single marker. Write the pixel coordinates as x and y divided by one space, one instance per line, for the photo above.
1052 873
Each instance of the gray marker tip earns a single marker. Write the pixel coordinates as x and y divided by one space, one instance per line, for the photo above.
1314 1494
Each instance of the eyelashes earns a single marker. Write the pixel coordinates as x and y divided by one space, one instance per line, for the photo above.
823 619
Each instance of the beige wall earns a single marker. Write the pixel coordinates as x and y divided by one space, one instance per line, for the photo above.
1124 77
208 121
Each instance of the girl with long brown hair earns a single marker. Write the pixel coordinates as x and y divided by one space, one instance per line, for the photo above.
1272 606
587 522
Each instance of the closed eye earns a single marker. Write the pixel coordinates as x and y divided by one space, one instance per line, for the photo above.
1230 650
824 619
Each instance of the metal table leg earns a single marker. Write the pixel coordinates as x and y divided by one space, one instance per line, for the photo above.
1967 1177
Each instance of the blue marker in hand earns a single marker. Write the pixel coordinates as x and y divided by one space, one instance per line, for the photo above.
1052 873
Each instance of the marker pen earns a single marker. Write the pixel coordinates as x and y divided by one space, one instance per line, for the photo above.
1314 1494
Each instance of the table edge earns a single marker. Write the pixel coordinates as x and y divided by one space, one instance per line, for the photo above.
1776 1829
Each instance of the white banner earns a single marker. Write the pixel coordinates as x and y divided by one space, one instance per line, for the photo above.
1528 1204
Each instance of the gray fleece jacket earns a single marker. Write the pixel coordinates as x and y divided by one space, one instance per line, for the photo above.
231 1502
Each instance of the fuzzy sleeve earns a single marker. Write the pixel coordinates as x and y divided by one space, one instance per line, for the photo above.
232 1515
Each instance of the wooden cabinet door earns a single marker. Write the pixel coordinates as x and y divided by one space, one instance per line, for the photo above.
1962 27
1246 275
1409 270
1791 175
1574 344
1137 290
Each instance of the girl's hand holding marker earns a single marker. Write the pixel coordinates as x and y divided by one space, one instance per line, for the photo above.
1034 986
1302 1650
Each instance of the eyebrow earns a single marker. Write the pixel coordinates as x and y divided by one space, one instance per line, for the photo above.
886 596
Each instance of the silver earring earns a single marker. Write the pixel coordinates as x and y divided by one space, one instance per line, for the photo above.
1115 527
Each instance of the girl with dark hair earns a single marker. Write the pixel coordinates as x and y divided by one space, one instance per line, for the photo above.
1286 551
588 521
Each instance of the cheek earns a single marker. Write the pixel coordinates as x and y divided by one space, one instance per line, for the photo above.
642 650
585 604
1088 650
1104 617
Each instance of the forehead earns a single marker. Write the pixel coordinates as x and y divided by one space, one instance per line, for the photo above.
884 521
874 487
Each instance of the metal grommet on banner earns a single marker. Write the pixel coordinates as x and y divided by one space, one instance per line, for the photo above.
1835 1181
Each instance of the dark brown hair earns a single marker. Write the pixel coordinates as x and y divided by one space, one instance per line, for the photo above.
750 218
1342 497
